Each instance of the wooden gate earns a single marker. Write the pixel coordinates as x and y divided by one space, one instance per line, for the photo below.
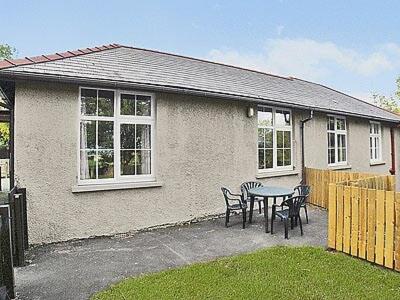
364 221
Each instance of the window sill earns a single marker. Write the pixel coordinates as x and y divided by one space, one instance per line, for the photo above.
339 167
115 186
377 163
276 174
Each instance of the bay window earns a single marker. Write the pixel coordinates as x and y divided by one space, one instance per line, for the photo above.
274 139
337 140
375 142
116 132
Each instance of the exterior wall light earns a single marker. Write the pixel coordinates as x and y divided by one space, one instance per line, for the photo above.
250 111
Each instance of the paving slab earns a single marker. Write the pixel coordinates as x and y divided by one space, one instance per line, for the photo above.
77 269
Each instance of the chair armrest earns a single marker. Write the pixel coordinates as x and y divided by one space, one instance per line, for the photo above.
237 195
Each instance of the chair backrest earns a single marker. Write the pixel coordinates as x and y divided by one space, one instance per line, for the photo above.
294 204
302 190
226 193
246 186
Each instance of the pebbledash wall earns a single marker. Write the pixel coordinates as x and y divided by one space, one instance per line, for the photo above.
201 144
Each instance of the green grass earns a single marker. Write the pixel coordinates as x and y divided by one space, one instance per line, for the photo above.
280 272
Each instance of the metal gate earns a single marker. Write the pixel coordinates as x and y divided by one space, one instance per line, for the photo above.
6 258
13 239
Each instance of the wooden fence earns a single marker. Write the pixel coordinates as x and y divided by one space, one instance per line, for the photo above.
319 181
364 220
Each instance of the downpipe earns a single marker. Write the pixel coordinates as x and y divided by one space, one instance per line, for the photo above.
302 122
392 170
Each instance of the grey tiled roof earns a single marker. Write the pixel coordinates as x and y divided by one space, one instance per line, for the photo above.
152 68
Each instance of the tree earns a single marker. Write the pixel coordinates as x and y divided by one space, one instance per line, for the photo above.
6 51
391 103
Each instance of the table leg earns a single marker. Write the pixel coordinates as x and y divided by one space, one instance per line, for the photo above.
251 208
266 214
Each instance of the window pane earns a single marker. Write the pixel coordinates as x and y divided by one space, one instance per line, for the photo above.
279 139
269 158
143 105
287 157
127 136
331 123
106 134
269 138
341 140
286 139
88 164
128 162
143 162
106 103
264 117
127 104
377 147
341 124
261 143
261 161
282 118
88 134
376 128
279 157
342 155
143 140
106 164
88 102
331 140
331 156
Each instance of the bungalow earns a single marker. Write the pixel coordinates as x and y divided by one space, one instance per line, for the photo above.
113 139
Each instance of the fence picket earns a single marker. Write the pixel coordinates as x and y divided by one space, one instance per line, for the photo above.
347 219
362 242
354 220
371 226
332 216
389 230
380 226
397 234
339 216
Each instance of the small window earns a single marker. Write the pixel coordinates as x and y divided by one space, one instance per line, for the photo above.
337 140
274 139
375 142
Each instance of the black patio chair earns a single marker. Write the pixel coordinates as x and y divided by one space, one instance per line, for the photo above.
303 190
230 200
246 186
291 212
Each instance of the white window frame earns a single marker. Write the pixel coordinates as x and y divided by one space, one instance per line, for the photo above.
275 128
337 132
119 119
372 136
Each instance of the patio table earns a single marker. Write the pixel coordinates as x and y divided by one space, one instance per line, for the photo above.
267 192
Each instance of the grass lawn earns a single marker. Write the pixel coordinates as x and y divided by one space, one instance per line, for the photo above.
281 272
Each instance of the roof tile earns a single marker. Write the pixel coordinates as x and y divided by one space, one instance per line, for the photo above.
54 56
5 64
39 59
66 54
20 61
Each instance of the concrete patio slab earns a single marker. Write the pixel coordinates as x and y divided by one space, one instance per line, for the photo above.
77 269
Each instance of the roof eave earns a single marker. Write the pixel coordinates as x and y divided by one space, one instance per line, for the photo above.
14 75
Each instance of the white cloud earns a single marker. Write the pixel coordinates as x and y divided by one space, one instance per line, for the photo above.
310 59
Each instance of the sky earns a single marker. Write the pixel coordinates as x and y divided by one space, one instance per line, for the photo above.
352 46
